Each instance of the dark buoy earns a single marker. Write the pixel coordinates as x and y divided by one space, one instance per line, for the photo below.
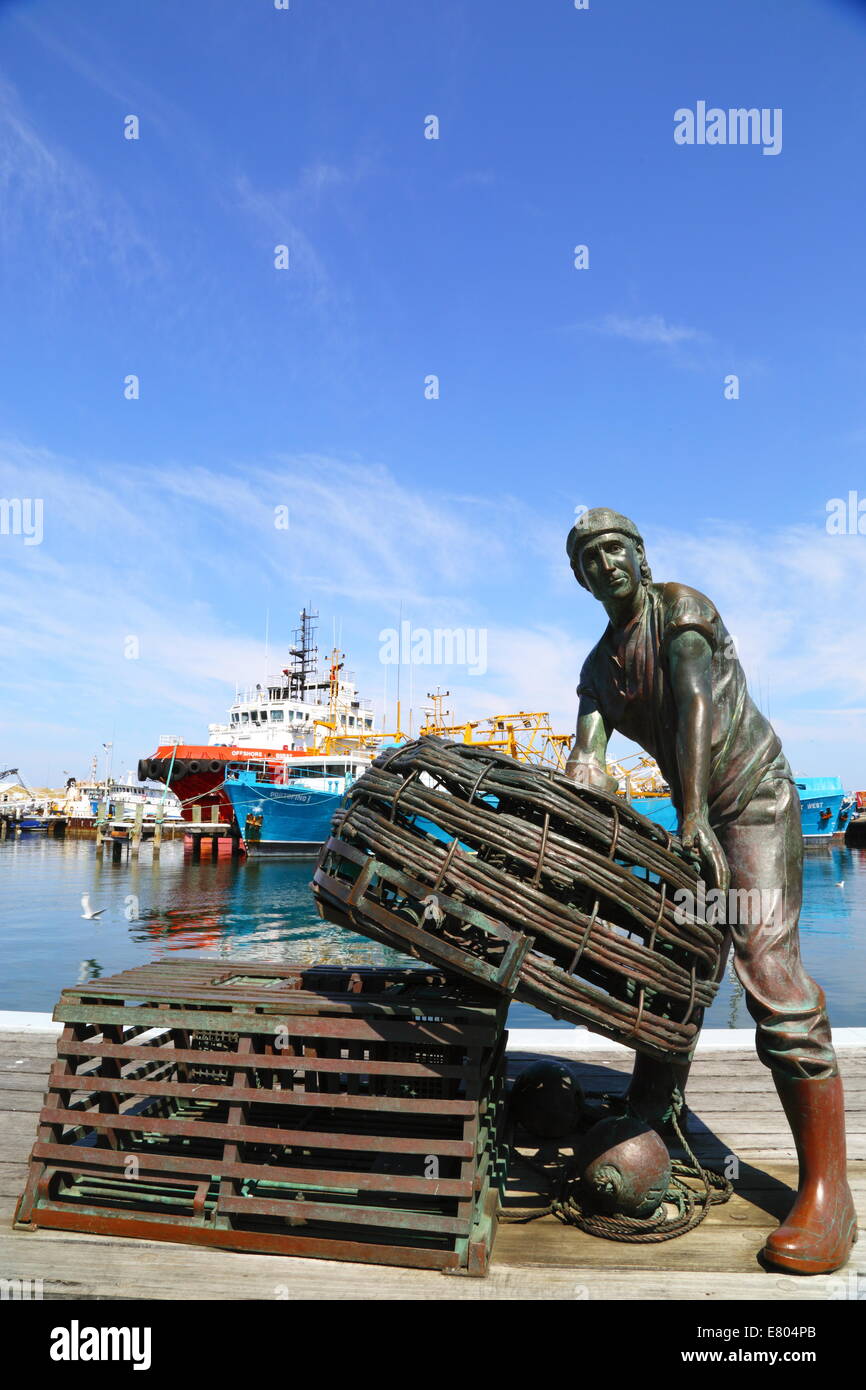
624 1167
547 1100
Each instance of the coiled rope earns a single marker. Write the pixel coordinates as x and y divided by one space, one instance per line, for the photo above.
569 1205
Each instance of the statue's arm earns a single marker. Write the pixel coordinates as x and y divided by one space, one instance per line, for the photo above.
586 760
690 666
691 681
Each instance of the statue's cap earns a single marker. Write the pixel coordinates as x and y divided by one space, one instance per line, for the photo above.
596 522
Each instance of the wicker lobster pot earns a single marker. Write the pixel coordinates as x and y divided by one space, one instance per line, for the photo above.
513 876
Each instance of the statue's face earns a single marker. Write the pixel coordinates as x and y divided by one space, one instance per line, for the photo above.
610 566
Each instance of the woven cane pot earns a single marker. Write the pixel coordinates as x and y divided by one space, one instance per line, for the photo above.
511 875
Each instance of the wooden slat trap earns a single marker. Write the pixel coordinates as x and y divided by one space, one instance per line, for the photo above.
512 876
339 1113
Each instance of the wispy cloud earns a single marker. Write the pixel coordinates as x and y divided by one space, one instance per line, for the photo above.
287 216
785 594
651 328
476 178
191 574
81 223
277 215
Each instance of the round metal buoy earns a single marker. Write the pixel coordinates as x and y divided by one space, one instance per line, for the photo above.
624 1167
547 1100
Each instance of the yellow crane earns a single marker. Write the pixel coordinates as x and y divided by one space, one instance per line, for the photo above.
526 735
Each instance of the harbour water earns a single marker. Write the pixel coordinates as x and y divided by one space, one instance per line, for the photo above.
263 910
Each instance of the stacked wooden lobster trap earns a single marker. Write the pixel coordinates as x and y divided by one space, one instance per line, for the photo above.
359 1114
346 1114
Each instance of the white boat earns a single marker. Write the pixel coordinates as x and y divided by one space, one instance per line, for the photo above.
121 800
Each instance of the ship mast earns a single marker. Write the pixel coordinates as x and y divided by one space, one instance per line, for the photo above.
304 656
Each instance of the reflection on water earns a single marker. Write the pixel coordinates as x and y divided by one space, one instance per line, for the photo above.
832 940
228 908
263 910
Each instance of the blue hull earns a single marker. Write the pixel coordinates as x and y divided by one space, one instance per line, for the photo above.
295 822
821 810
282 821
820 806
659 809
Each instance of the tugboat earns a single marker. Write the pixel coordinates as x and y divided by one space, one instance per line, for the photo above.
269 726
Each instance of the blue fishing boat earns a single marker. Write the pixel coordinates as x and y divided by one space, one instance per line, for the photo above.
847 810
825 808
287 811
659 809
821 807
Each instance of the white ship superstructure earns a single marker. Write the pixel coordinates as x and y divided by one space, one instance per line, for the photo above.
299 708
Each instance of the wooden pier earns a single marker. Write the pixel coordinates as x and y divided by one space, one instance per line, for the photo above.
734 1112
10 824
855 832
130 835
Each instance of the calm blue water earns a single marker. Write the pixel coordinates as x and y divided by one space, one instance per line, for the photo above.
261 910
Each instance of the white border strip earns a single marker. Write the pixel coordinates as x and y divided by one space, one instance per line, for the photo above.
13 1021
557 1040
578 1040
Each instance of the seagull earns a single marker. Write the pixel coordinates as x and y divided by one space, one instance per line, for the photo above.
841 885
86 910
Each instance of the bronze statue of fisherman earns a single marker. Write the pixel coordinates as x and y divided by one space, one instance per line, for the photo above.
665 674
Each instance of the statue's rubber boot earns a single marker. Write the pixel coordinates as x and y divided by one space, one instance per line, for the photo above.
817 1235
651 1093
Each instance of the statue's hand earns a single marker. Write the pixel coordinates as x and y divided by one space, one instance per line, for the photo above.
590 773
700 841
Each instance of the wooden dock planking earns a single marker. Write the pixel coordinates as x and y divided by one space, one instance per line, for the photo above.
735 1110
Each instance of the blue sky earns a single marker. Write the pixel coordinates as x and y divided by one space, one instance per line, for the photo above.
409 257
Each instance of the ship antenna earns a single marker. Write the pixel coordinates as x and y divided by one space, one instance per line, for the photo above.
399 661
304 655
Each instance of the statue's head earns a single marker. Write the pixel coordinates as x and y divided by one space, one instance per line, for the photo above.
606 553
